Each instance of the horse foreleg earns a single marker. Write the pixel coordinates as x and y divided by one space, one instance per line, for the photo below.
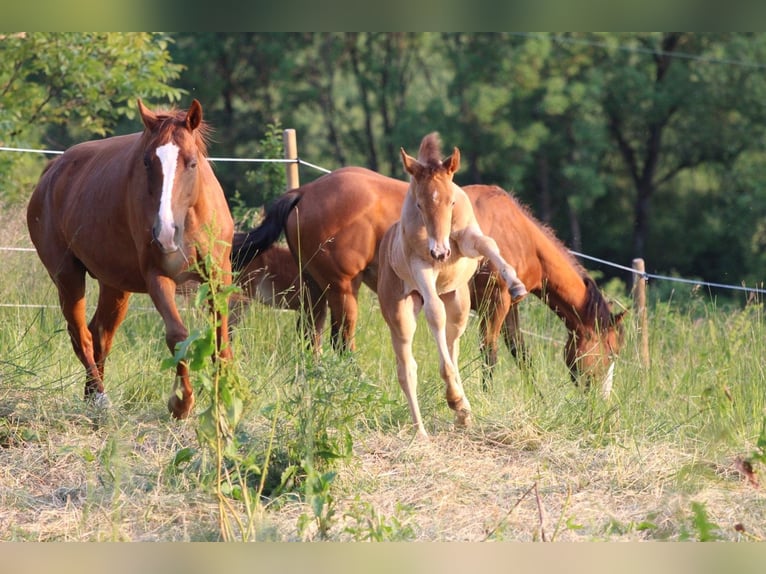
492 303
473 242
70 282
513 337
110 312
400 313
456 306
162 291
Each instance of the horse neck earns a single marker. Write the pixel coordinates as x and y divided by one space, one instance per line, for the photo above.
565 288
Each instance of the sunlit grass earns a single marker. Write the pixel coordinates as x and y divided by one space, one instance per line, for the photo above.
628 468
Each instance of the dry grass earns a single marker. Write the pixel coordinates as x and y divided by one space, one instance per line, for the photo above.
115 481
554 466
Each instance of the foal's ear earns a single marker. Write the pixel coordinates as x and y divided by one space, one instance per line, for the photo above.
194 115
452 163
147 116
411 165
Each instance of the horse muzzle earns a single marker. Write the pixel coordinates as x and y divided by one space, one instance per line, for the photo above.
439 251
167 237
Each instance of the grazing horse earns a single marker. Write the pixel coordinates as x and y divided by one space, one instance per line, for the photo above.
334 224
136 212
271 277
426 260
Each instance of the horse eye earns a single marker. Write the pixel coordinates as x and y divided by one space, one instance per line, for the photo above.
193 164
147 162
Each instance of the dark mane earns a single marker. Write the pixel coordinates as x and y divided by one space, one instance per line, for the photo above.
596 306
551 236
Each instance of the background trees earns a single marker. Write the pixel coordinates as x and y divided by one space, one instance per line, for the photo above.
57 89
628 145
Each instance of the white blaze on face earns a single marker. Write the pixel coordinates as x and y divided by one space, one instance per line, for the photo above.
168 155
606 384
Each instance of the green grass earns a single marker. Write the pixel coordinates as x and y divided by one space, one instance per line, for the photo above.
328 444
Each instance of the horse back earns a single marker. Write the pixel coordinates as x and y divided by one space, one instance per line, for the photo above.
337 227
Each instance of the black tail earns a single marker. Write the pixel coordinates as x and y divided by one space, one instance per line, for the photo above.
248 245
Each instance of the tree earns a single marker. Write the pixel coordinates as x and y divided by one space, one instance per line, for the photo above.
59 88
682 108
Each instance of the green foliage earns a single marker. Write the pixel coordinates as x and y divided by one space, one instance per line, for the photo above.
370 526
701 528
269 180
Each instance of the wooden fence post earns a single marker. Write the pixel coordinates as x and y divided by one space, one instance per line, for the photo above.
639 304
291 152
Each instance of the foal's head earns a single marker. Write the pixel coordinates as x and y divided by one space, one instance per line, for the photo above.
433 191
174 148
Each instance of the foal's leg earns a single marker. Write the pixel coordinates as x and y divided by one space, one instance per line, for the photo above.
162 291
473 243
457 306
400 315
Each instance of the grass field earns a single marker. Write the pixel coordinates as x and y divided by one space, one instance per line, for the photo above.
323 450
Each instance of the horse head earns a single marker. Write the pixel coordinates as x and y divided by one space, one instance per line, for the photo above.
433 191
173 147
592 349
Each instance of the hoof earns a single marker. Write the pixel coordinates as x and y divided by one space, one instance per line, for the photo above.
179 408
463 418
518 292
99 401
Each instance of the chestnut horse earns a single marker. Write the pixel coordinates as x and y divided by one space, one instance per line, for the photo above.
136 212
334 225
426 260
271 277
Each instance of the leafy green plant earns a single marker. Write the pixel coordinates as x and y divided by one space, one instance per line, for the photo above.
370 526
704 530
269 179
226 392
321 502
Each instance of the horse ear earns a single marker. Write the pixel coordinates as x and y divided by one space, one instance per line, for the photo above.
409 162
194 115
452 163
617 319
147 116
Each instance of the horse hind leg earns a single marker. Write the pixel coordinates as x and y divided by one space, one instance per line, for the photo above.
344 310
312 313
110 312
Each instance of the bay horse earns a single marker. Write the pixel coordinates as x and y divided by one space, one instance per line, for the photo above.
334 224
137 212
426 260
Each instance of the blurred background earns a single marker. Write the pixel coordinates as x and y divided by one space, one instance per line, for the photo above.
627 144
